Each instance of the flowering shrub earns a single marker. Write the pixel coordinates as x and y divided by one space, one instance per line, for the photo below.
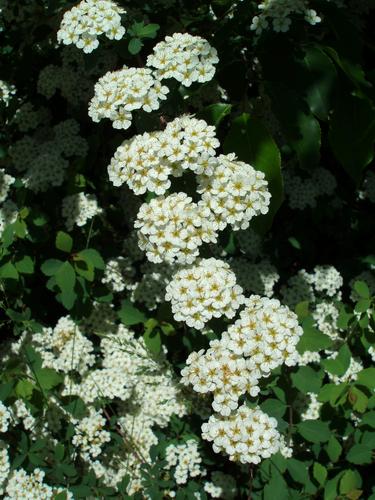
187 287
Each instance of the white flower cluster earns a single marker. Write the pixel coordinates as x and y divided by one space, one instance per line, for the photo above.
221 486
4 465
303 193
184 57
323 283
326 314
327 279
118 93
22 485
204 291
186 460
4 417
247 436
6 181
235 192
42 156
83 24
145 162
118 274
64 348
90 436
172 228
7 90
263 338
312 412
355 366
278 12
8 214
79 208
256 277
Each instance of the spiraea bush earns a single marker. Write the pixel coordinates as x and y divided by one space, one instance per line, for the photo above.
187 266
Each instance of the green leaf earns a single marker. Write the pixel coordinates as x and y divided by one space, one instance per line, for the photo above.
144 31
366 377
8 271
359 454
130 315
51 266
24 389
25 265
334 393
274 407
362 289
215 113
64 242
65 280
48 378
352 70
369 419
322 77
152 340
349 482
93 256
135 45
352 133
307 380
298 470
312 339
330 490
333 449
358 399
250 140
320 473
340 364
314 431
276 487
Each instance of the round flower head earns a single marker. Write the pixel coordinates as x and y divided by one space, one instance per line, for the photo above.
83 24
235 192
118 93
247 436
172 228
146 161
266 333
185 58
204 291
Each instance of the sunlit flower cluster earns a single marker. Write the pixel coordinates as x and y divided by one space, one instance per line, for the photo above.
23 485
118 274
203 291
119 93
145 162
83 24
235 192
263 338
172 228
312 412
184 57
185 459
247 436
90 434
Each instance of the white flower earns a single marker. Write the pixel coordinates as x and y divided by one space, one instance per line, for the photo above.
78 208
89 19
